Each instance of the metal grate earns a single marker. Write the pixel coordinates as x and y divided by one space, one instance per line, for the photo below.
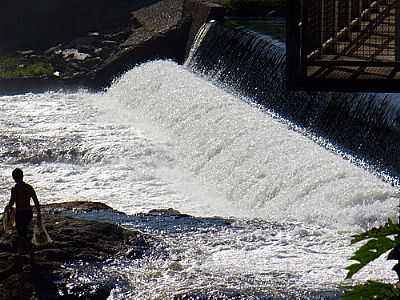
344 39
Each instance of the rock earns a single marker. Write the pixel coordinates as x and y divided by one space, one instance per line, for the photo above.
104 52
76 205
26 52
89 49
91 62
53 50
98 51
97 34
228 294
143 46
77 66
266 293
102 292
119 36
170 212
160 16
74 54
134 22
109 43
75 240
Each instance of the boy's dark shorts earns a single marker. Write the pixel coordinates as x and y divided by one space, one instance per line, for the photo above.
22 220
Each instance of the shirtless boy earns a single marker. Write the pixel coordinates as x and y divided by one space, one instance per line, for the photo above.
21 194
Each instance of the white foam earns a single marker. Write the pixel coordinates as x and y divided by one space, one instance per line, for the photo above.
254 163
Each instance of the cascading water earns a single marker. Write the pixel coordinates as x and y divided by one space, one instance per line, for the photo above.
254 64
162 136
254 163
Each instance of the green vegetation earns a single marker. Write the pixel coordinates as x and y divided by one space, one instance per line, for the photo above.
13 67
378 241
253 7
373 290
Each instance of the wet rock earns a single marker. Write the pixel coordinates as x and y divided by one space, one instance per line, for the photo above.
170 212
173 221
102 291
75 241
77 206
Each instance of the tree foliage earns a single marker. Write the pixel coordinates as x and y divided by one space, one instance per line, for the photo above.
372 290
378 241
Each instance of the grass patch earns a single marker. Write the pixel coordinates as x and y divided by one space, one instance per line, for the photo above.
14 67
254 7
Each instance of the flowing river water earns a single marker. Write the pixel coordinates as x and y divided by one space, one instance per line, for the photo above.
162 136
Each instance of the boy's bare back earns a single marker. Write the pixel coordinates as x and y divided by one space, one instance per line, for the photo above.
21 194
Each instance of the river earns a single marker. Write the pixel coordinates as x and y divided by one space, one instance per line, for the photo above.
162 136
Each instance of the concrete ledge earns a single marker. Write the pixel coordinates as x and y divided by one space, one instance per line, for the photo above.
200 13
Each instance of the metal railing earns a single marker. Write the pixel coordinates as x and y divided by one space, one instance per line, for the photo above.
344 39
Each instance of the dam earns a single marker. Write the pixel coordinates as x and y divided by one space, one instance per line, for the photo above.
289 175
165 135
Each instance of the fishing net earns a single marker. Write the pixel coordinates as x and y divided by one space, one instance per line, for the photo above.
9 220
40 235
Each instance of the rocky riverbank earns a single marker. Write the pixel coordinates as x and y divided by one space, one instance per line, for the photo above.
78 263
56 47
74 241
93 56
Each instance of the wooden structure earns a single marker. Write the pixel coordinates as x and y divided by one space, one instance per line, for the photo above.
344 45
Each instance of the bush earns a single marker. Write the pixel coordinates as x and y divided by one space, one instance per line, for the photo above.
12 67
378 242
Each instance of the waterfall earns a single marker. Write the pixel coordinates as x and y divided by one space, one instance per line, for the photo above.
254 65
